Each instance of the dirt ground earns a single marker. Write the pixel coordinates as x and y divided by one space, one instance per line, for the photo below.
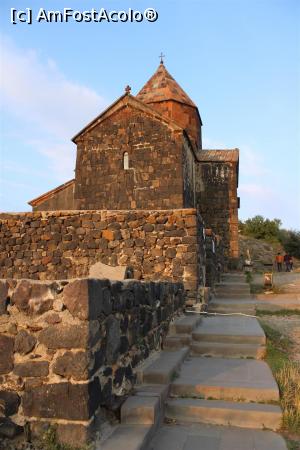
289 326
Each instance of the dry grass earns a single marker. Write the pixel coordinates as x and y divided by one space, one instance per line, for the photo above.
288 379
287 374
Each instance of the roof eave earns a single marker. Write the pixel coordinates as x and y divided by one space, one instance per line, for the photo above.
36 201
133 100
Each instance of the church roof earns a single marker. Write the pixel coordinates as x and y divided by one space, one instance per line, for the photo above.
36 201
124 101
218 155
161 87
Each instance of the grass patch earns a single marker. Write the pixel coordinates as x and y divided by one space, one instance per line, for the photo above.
49 442
279 312
257 289
287 375
249 277
292 445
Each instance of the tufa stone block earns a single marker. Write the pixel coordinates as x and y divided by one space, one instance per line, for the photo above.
4 286
32 369
62 400
75 365
24 342
87 298
65 336
7 354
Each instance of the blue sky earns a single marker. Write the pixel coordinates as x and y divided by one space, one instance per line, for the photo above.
237 59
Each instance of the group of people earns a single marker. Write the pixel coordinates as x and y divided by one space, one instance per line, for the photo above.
287 260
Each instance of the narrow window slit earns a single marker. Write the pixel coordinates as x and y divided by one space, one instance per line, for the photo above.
125 161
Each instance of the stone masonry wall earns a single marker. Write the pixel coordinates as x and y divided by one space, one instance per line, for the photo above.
70 348
216 197
152 147
158 245
214 258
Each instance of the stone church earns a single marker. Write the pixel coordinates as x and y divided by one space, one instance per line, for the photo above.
145 152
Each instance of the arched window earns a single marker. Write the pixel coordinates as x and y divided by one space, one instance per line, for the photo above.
125 161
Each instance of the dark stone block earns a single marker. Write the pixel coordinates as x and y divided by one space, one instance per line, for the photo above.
21 295
148 227
112 339
66 336
99 357
124 344
106 393
24 342
74 434
88 298
32 369
8 428
11 402
126 300
106 372
3 296
124 324
73 365
7 353
139 294
119 375
129 373
62 400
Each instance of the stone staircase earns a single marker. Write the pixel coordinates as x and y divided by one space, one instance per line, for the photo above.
232 295
208 379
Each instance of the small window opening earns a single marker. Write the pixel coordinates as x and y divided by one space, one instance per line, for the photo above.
125 161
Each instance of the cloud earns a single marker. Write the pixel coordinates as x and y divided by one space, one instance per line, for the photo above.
53 107
252 162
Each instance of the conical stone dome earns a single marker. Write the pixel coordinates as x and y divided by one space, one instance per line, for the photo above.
164 94
163 87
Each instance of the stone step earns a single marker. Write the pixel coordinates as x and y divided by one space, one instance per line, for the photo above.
226 379
235 280
161 369
220 412
175 341
233 276
128 437
233 287
226 306
140 410
201 436
235 329
234 284
185 324
234 295
159 391
228 350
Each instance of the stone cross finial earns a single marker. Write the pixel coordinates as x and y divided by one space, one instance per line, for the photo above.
161 56
127 89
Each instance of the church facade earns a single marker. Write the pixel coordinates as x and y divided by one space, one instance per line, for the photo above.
145 152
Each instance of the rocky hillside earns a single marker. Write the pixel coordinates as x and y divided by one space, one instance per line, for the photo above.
261 252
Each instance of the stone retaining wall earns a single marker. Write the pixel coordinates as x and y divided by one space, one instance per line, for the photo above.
158 245
70 348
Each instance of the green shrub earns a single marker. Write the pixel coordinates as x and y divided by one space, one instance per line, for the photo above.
290 240
261 228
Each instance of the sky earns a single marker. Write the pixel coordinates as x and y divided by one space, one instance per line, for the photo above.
239 61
